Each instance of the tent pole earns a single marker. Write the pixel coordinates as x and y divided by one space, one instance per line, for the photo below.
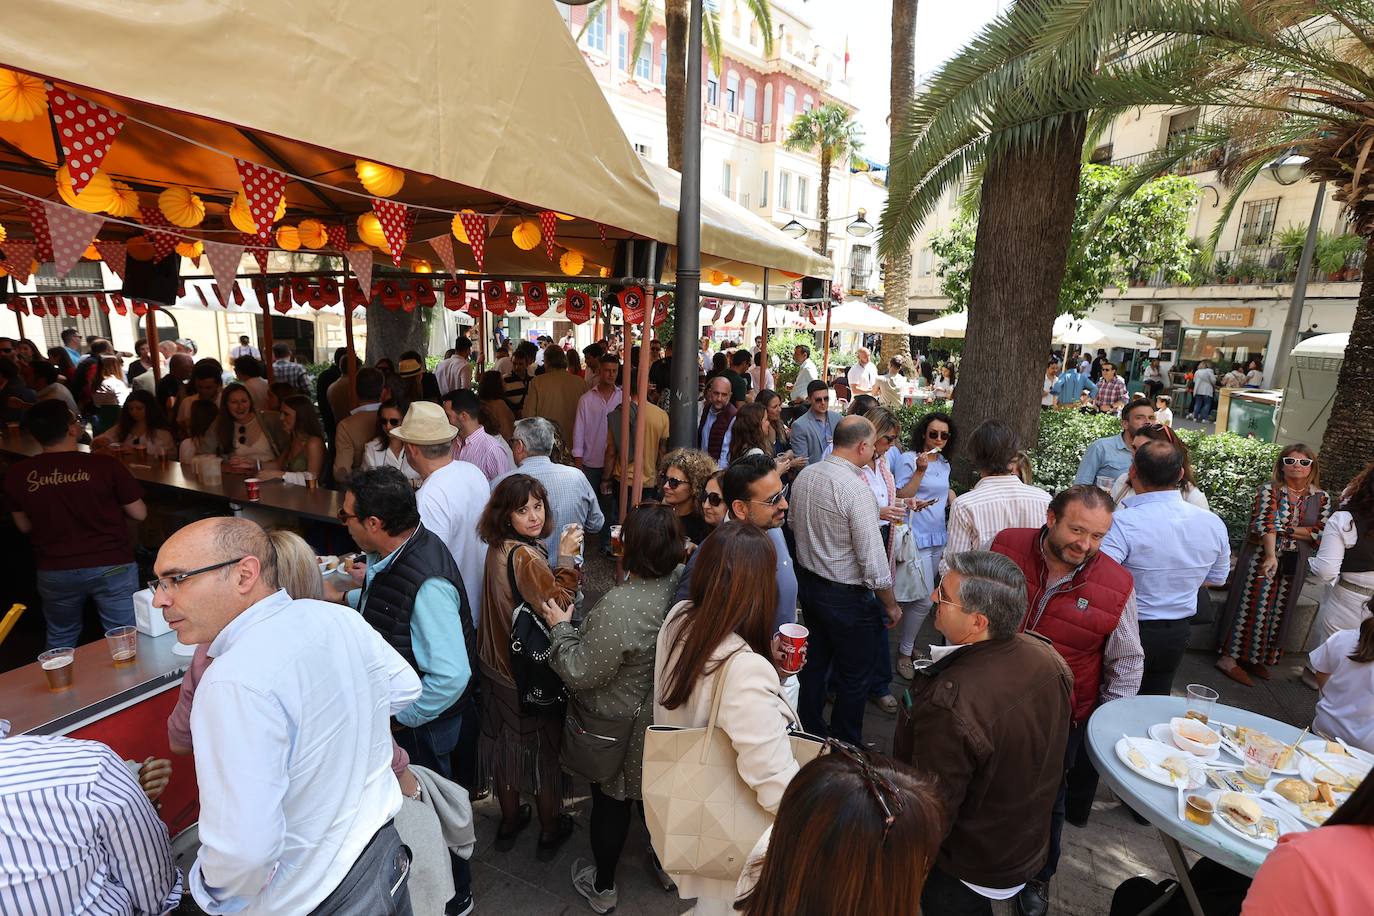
764 330
150 323
686 323
266 334
348 343
825 349
642 394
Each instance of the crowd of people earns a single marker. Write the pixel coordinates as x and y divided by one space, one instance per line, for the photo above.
342 726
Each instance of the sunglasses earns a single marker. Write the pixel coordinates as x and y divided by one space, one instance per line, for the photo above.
243 435
770 501
882 790
939 435
712 499
1290 461
672 483
389 421
1161 428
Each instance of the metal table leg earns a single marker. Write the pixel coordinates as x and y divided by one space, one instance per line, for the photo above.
1175 852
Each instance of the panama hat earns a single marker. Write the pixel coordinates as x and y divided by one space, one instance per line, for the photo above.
425 424
409 368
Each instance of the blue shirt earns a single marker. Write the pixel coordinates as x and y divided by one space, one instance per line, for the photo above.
928 525
1070 384
436 638
1172 548
1109 456
786 579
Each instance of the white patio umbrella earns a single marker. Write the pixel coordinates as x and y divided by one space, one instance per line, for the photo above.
948 326
1087 332
860 316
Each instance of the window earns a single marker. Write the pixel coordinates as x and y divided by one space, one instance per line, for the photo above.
768 104
644 66
712 87
727 177
808 103
803 194
736 24
644 150
763 190
751 91
732 92
1257 222
789 105
622 51
753 33
1180 125
927 262
784 191
663 63
596 32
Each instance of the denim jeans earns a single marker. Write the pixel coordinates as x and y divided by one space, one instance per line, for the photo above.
376 885
1072 750
845 621
64 593
432 746
1203 404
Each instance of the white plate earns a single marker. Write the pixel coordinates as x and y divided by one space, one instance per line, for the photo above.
1318 746
1154 752
1164 735
1236 751
1346 766
1286 822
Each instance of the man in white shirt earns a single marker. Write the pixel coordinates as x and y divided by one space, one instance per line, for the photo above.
244 349
863 375
806 374
292 729
456 371
999 500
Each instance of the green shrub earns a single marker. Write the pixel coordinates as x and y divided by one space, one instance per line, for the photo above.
1064 436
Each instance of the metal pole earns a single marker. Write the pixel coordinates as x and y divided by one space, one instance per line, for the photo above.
1289 337
352 361
267 329
825 349
626 370
764 329
642 388
150 322
683 414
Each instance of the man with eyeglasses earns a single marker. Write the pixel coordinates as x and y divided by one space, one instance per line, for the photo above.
1111 390
292 734
813 430
75 507
1108 458
987 721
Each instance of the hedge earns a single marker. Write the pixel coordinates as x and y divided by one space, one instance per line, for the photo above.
1229 468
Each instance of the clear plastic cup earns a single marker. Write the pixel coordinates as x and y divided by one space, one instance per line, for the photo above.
1202 700
58 667
123 643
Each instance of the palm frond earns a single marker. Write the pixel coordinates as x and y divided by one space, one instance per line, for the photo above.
593 13
762 12
644 17
710 37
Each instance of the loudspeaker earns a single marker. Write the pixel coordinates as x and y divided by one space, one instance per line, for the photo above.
812 288
640 268
153 281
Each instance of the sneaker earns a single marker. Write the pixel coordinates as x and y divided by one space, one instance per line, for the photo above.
664 879
461 908
584 882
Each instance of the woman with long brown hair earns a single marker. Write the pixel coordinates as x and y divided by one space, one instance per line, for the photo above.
718 640
520 742
750 432
1285 525
877 810
304 452
1344 562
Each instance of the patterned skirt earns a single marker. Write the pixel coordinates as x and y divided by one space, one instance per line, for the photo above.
1258 609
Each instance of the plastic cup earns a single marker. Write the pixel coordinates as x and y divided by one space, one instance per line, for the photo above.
617 542
123 643
58 667
254 487
1262 755
1104 482
1201 701
793 646
1199 810
310 482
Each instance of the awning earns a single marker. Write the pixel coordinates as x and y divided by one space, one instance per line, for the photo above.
854 315
945 327
1084 332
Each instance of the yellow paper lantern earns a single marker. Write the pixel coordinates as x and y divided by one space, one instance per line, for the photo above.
734 281
605 272
382 180
370 230
242 217
125 201
460 231
3 272
563 216
288 238
312 233
570 263
422 267
717 277
91 253
22 97
3 233
96 196
190 249
526 235
181 207
139 248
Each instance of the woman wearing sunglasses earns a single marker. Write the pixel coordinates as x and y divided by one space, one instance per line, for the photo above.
305 451
685 472
1121 488
713 500
385 452
1285 526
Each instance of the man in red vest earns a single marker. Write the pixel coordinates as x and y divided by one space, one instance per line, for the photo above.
1083 601
717 420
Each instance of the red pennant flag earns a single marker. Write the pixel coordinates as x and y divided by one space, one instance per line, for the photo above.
103 304
263 187
661 308
443 247
601 228
86 131
577 306
19 306
475 225
496 296
120 306
632 305
163 242
548 227
361 262
19 258
424 293
37 307
395 220
69 305
454 291
408 298
113 254
253 245
71 231
83 305
42 235
474 307
536 298
337 234
300 290
140 308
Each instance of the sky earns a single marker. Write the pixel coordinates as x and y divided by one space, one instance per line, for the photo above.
942 28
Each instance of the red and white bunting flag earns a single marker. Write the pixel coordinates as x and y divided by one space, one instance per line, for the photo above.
83 306
254 245
163 242
69 306
263 187
114 254
19 306
475 225
632 305
361 262
19 259
224 264
118 304
730 315
443 247
577 306
395 220
474 308
548 227
337 235
454 291
86 131
36 307
72 231
661 308
496 296
536 297
601 228
42 235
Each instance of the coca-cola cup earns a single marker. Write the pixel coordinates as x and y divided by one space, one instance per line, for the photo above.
254 487
793 638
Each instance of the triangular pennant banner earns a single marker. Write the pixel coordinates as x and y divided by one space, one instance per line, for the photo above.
476 228
337 234
601 228
548 227
113 254
224 264
361 262
632 305
577 306
495 295
259 251
661 308
120 306
86 131
72 231
536 297
42 235
443 247
163 242
395 220
263 187
19 259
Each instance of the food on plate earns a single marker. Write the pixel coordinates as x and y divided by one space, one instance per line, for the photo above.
1324 795
1329 777
1286 758
1194 731
1316 812
1240 809
1296 791
1175 766
1333 748
1137 759
1268 828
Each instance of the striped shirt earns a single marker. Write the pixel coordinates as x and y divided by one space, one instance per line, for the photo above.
77 834
835 520
484 450
993 504
292 373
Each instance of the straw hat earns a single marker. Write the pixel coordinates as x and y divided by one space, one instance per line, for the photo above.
409 368
425 424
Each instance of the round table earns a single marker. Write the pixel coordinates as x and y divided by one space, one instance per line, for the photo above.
1158 804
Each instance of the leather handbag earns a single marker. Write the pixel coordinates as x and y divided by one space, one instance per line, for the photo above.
594 747
703 818
536 684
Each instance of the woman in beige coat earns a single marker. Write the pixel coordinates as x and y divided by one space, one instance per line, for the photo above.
730 612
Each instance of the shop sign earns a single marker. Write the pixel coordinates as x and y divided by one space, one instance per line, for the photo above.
1224 317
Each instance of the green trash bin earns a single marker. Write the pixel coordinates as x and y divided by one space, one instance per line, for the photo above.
1254 414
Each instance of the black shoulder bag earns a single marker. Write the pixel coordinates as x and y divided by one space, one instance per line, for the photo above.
539 689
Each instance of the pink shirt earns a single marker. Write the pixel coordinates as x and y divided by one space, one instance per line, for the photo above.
482 449
589 433
1322 871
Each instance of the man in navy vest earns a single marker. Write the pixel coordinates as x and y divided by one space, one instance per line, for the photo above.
717 420
1083 601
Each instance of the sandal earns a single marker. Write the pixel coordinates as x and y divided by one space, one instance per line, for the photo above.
905 669
550 843
505 838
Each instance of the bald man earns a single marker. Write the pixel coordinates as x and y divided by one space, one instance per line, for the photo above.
292 736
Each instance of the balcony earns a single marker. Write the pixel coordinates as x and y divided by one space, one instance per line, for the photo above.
858 281
1254 266
1204 162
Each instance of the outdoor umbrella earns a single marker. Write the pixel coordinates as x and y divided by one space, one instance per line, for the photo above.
1086 332
860 316
948 326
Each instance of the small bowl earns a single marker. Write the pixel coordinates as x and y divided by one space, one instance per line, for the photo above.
1194 737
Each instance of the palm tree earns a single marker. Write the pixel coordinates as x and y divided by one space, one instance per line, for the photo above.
831 130
901 88
676 16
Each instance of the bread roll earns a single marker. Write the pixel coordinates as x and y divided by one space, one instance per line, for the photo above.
1296 791
1240 808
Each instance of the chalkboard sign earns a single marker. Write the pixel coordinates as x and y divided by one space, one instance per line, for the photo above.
1173 335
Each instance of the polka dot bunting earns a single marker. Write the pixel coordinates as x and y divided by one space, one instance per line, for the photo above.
38 219
264 188
338 236
548 226
86 130
395 220
113 254
475 225
163 242
72 232
443 247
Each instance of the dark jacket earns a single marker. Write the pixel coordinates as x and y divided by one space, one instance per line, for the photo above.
988 724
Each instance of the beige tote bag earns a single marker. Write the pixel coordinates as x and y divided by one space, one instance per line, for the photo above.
704 819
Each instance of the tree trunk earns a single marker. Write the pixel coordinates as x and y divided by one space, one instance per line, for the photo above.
677 18
901 90
1024 222
1349 440
823 204
391 333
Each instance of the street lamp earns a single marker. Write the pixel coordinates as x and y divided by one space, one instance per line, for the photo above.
1289 168
860 227
794 229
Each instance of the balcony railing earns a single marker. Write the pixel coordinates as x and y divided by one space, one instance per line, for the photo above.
1253 266
1203 162
858 280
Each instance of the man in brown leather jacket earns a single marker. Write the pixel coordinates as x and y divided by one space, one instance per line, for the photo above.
987 723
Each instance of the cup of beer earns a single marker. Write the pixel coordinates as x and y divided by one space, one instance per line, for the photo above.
254 488
58 665
123 643
617 542
793 636
310 482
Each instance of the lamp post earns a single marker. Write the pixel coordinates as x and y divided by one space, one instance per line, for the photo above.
682 413
1287 170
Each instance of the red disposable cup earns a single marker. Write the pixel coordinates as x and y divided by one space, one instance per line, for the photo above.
793 636
254 486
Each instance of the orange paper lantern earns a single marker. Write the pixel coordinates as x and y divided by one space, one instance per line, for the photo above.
181 207
526 235
125 202
378 179
22 97
571 263
140 248
288 238
96 196
312 233
190 249
91 253
370 231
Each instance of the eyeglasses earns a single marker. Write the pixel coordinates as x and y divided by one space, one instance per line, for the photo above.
770 501
344 516
672 483
887 439
712 499
940 435
941 599
1290 461
879 786
171 582
1160 428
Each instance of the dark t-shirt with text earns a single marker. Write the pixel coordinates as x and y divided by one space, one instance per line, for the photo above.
75 502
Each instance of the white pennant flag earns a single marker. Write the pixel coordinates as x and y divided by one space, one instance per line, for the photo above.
443 247
72 232
113 254
224 264
361 262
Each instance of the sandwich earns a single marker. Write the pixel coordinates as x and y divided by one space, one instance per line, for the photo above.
1175 766
1241 810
